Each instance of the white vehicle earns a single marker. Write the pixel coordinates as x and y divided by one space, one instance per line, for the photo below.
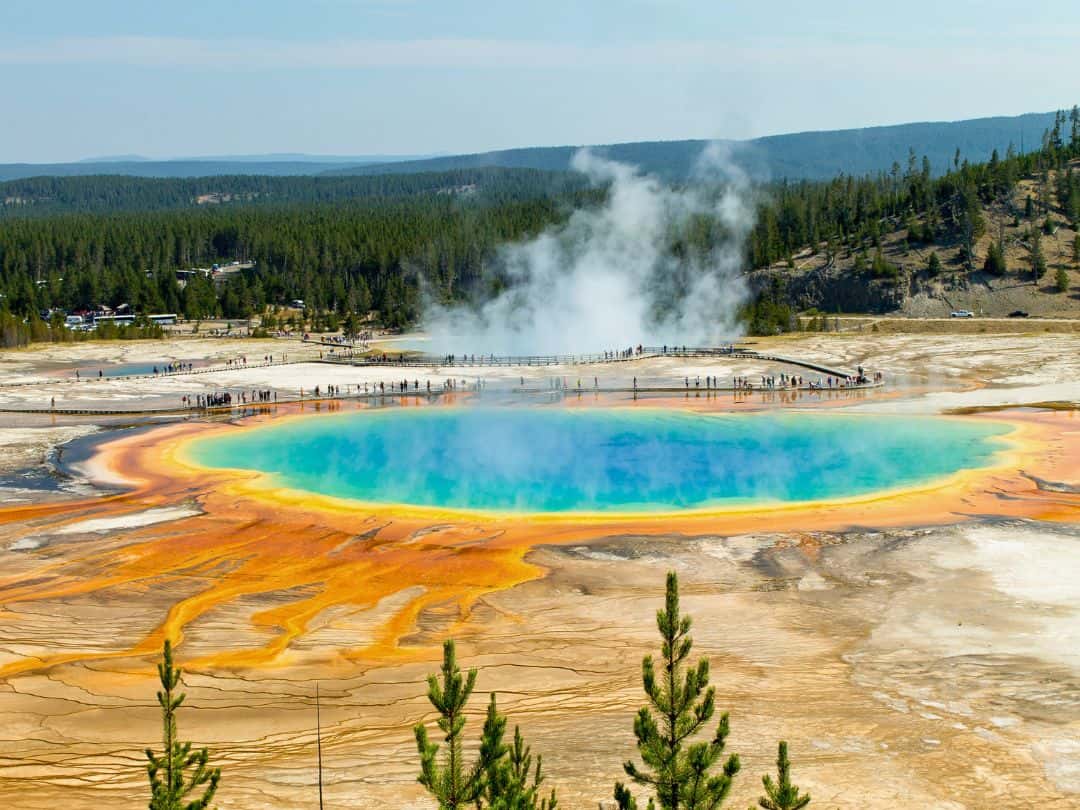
962 313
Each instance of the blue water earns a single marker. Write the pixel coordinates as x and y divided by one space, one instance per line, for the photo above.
124 369
599 460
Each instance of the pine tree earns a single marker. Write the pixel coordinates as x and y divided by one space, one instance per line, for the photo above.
781 794
1061 280
452 785
179 771
502 777
995 260
1076 250
510 781
933 265
880 268
679 771
1038 261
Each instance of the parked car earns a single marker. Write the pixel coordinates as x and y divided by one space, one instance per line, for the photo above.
1018 313
962 313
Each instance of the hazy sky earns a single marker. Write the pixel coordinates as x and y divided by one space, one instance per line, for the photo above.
82 78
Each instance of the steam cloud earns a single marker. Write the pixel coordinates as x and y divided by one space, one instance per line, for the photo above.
607 278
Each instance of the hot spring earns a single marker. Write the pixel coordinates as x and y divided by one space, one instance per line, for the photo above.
519 459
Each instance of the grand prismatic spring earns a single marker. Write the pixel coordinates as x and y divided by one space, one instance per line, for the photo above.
883 577
599 460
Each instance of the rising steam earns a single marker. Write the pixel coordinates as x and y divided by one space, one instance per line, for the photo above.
619 274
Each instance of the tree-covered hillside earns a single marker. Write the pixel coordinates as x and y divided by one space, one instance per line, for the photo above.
1002 235
407 238
106 193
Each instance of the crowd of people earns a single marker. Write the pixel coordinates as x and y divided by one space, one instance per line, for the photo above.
173 368
225 399
217 399
708 382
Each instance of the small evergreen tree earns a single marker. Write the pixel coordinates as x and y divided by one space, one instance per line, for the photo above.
1038 261
995 260
1061 280
502 777
510 781
1076 250
933 265
351 326
679 771
450 783
781 794
179 771
881 268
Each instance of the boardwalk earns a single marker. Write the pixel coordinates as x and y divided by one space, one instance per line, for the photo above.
530 361
844 380
766 395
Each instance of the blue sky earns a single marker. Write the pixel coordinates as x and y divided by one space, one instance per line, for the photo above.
354 77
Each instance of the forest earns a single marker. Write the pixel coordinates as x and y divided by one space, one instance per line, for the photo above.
374 247
117 192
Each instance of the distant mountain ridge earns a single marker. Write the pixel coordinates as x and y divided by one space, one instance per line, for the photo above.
303 157
274 165
796 156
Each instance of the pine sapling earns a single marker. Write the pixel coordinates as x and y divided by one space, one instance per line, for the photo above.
511 783
179 771
683 774
781 794
448 780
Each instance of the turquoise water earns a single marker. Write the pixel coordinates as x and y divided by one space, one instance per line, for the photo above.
599 460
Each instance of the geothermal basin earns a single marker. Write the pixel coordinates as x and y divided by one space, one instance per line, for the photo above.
602 460
886 578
